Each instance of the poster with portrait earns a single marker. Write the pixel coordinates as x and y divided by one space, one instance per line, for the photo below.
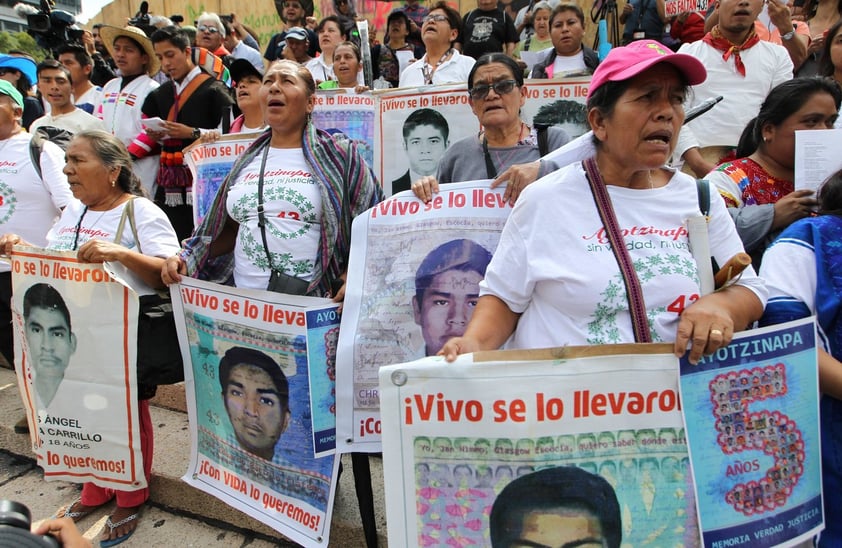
472 447
349 113
413 283
558 103
259 371
75 349
752 420
415 128
209 164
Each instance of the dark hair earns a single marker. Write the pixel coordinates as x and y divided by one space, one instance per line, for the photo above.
82 56
830 195
43 295
98 26
462 255
425 117
52 64
113 153
353 47
496 57
453 17
238 355
335 20
561 8
172 34
398 14
784 99
826 67
551 488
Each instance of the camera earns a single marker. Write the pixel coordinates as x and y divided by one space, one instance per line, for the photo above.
142 20
51 28
15 521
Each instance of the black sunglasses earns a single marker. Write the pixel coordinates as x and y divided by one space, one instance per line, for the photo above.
480 91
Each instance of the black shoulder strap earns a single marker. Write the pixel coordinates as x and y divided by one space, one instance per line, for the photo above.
543 139
703 188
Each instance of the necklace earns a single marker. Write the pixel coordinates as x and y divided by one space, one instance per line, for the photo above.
98 219
428 70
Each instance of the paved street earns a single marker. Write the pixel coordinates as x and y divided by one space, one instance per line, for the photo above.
21 480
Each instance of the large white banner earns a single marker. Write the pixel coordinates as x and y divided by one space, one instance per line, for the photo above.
472 447
413 283
259 381
75 351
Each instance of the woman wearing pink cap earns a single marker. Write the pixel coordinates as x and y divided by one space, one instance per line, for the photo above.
555 278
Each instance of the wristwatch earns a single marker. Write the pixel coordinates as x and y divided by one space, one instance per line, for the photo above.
788 36
196 133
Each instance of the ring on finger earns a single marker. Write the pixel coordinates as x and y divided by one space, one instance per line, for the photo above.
716 332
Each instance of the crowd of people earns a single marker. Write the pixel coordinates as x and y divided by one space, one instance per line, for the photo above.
126 102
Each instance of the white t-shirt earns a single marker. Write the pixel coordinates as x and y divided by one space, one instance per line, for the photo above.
572 63
554 264
156 234
75 121
89 99
293 209
30 205
454 70
321 72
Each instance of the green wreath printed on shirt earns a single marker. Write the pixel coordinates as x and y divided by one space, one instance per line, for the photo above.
603 329
8 202
253 247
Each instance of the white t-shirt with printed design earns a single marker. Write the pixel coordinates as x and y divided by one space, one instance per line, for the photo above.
154 230
554 264
29 205
293 208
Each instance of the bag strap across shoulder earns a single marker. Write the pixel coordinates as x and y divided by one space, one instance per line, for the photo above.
637 307
128 213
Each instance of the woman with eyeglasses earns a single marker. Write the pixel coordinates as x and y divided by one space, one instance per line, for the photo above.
597 252
496 95
442 64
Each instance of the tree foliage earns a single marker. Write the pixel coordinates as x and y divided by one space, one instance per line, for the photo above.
21 41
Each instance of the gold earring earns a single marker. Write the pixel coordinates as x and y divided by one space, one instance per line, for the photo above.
113 183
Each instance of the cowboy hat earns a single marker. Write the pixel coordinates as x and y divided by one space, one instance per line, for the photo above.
109 34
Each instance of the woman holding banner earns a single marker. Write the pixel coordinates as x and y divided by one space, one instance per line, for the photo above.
310 186
496 95
802 270
99 171
597 252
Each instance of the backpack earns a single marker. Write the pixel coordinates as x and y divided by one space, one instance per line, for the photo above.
58 136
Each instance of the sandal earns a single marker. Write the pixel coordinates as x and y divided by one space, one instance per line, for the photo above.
111 526
75 516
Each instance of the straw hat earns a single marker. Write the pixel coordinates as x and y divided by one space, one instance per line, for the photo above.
109 34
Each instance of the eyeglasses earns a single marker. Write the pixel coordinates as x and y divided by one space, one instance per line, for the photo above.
206 28
480 91
435 18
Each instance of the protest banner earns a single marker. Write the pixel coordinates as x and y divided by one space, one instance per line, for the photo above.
751 411
415 128
353 114
677 7
558 103
456 435
210 163
413 278
259 393
75 349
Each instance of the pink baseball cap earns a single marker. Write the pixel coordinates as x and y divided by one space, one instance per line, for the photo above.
628 61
